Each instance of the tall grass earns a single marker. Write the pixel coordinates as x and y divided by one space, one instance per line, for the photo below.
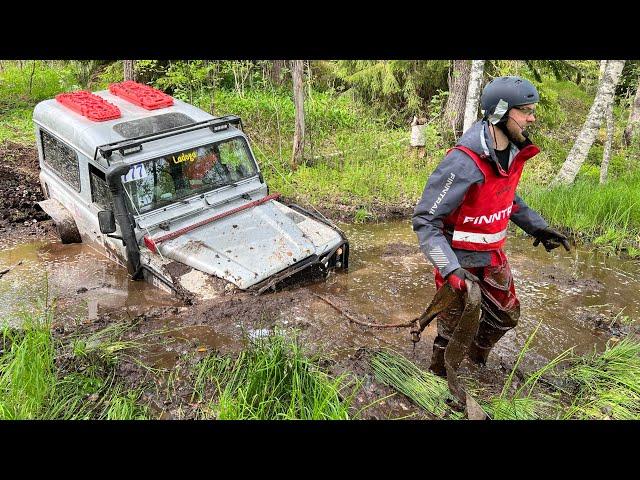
523 404
608 384
27 373
607 214
273 380
424 388
33 386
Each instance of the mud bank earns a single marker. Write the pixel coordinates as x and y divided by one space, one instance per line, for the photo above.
20 219
341 212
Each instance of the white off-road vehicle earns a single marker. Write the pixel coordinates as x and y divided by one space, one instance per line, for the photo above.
172 193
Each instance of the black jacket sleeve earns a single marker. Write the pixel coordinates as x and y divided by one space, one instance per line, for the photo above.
524 217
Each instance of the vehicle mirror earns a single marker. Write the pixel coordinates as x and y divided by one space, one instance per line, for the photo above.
107 221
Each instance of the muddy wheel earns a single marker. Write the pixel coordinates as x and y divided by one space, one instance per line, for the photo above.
68 233
45 190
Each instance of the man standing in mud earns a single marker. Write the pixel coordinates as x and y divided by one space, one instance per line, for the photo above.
462 218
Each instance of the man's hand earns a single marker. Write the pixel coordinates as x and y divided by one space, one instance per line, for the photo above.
456 279
550 238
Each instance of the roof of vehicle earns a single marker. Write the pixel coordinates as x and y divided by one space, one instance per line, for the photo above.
86 135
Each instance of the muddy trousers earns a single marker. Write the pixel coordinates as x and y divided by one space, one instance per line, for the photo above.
500 313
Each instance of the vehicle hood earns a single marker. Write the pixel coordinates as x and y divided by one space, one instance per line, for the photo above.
251 245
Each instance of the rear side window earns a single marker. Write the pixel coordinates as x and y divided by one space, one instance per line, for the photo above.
100 193
62 159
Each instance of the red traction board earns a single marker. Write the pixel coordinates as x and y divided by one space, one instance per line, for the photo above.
142 95
89 105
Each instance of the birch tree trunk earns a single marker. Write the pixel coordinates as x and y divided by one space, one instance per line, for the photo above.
297 72
587 135
458 85
608 118
634 117
473 94
129 69
606 155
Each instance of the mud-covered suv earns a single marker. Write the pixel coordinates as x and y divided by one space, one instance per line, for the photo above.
172 193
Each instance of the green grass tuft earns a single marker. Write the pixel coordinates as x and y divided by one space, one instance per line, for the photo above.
273 380
424 388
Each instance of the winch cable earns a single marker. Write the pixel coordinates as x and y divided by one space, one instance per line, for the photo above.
269 162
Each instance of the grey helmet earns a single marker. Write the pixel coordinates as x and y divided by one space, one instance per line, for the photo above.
502 93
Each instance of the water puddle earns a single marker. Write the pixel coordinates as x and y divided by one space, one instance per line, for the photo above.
82 282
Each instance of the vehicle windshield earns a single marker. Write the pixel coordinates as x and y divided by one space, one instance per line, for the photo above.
179 175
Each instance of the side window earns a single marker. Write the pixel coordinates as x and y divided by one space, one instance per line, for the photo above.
100 193
62 159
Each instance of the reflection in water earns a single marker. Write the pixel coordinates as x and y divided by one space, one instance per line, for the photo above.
82 282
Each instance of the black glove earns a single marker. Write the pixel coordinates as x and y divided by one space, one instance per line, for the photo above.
550 238
456 279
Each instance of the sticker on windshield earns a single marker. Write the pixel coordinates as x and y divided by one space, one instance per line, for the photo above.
185 157
136 172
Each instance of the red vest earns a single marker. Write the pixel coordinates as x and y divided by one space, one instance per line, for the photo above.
481 221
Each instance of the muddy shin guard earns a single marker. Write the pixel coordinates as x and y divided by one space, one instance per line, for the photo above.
437 357
493 325
447 320
461 340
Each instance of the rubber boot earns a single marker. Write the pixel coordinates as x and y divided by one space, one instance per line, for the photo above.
437 360
478 354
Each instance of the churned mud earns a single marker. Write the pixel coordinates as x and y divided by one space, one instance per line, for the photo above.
20 219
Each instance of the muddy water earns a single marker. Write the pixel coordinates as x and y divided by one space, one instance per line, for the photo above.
82 283
565 292
389 281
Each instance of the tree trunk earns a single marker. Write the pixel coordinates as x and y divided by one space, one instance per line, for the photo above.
33 71
473 94
212 79
276 72
587 135
458 85
129 69
634 117
297 72
606 156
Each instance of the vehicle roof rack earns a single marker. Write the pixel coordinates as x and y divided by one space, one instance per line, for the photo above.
133 145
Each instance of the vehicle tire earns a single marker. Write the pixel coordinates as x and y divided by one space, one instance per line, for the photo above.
68 233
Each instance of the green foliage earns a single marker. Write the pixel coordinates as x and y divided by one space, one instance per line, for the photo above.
362 215
27 82
424 388
610 212
400 88
273 380
32 386
27 374
608 384
522 404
